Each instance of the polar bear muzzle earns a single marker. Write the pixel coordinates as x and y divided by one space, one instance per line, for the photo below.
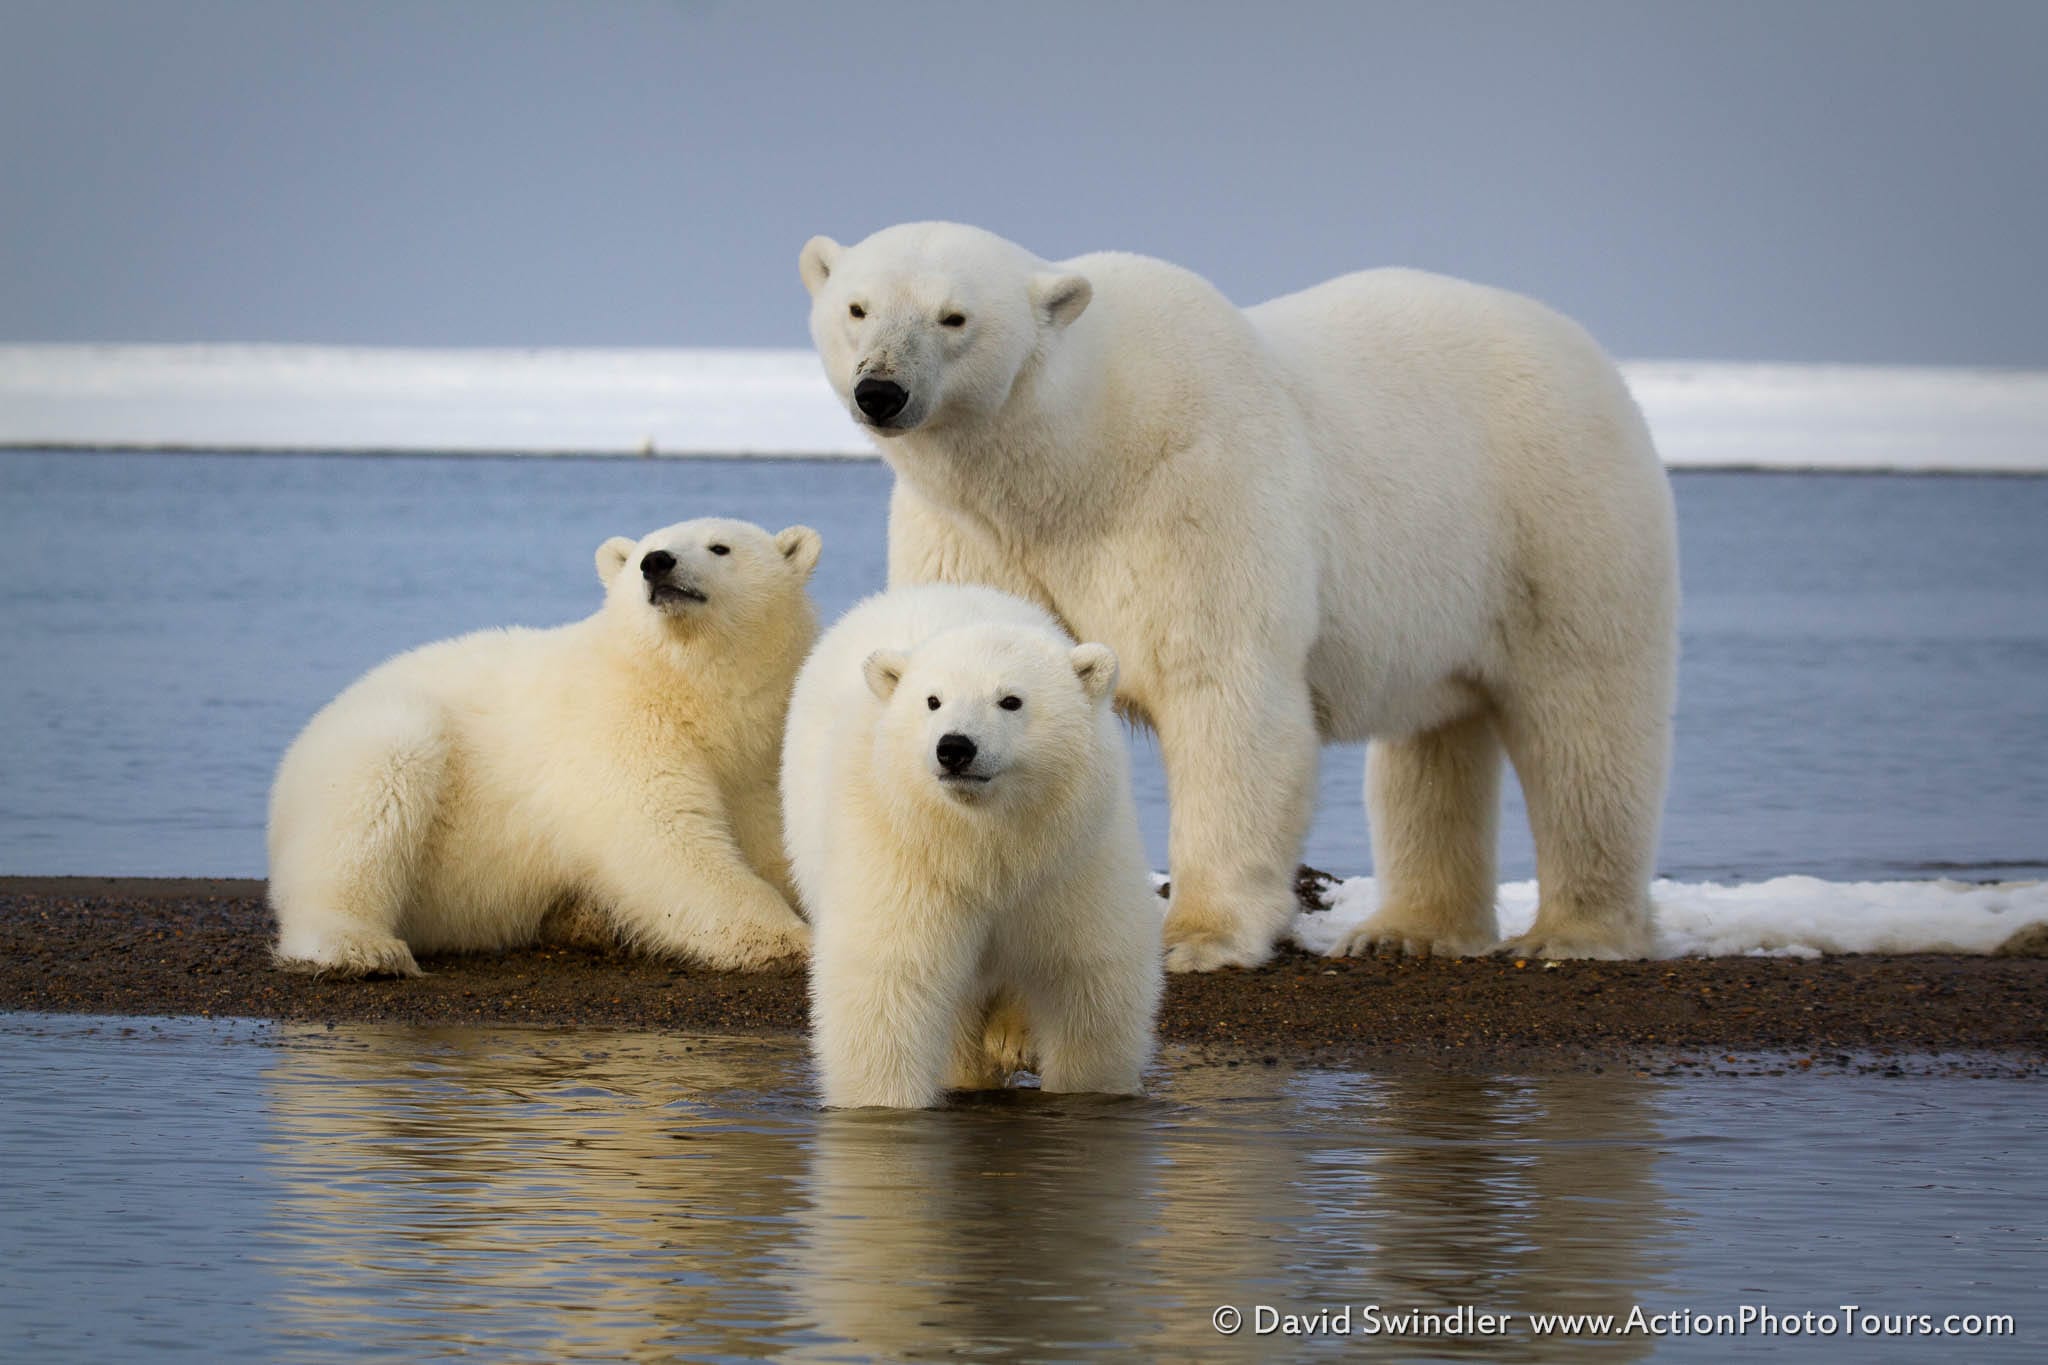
956 754
658 568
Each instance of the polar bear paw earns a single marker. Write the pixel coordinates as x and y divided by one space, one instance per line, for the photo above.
1200 939
351 954
1619 943
763 947
1394 932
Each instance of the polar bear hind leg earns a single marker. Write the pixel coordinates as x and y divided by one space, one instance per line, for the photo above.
1591 748
1434 806
349 861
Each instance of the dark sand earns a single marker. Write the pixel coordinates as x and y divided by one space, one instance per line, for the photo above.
130 946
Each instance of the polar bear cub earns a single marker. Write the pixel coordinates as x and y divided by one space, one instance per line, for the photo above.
623 767
957 805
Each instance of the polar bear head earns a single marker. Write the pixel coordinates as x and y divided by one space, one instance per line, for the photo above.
710 575
990 717
928 323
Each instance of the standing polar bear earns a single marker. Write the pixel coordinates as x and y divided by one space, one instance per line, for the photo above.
957 804
623 767
1394 506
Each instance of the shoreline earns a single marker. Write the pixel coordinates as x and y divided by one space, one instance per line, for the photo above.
141 947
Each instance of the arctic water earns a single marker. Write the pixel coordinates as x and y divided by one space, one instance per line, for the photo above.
186 1189
1863 693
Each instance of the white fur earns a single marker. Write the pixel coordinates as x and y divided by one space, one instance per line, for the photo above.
624 765
1394 506
963 929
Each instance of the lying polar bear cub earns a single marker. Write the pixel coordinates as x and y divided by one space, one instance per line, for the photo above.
623 766
957 805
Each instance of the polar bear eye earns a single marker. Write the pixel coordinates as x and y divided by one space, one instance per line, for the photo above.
931 703
1011 703
856 310
721 549
953 320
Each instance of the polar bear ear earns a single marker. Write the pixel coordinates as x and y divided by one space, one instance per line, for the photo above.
1095 666
800 546
612 556
1060 299
815 263
883 670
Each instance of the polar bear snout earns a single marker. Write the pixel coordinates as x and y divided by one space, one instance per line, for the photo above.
658 567
956 756
880 399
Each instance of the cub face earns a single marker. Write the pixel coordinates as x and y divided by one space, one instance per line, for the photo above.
704 574
928 323
987 716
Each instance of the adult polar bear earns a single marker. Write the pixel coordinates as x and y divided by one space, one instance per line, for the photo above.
1394 506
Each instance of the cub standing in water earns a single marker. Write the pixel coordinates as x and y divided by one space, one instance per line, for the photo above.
957 802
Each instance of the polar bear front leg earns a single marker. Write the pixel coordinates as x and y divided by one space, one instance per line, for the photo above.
1093 1026
1240 784
679 885
888 1009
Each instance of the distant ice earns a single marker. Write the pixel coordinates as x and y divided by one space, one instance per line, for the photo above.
776 402
1782 917
541 402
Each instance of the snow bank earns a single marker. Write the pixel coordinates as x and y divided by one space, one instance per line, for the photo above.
702 402
776 402
1844 417
1782 917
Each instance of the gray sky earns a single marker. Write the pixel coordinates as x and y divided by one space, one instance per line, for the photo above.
1828 180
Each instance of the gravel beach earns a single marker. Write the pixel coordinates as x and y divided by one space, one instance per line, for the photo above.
131 946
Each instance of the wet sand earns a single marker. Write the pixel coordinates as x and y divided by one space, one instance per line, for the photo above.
134 946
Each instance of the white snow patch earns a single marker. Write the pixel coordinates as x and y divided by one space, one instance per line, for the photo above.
540 402
1782 917
776 402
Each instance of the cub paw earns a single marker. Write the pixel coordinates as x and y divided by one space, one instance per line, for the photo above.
358 954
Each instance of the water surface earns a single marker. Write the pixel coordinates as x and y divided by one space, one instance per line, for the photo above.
1864 692
243 1191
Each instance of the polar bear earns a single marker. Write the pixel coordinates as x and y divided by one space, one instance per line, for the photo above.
1394 506
957 805
624 766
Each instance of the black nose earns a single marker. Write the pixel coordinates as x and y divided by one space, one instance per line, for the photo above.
955 752
880 399
656 565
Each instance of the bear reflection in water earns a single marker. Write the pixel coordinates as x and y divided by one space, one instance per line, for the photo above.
470 1186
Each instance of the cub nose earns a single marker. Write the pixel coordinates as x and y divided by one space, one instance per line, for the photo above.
656 564
955 752
880 399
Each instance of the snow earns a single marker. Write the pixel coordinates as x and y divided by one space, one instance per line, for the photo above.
1782 917
776 402
680 402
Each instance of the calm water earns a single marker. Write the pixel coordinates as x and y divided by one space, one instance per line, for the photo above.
1864 692
239 1191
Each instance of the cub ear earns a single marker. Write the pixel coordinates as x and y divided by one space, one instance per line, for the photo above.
612 556
800 545
1095 666
815 263
1059 299
883 670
